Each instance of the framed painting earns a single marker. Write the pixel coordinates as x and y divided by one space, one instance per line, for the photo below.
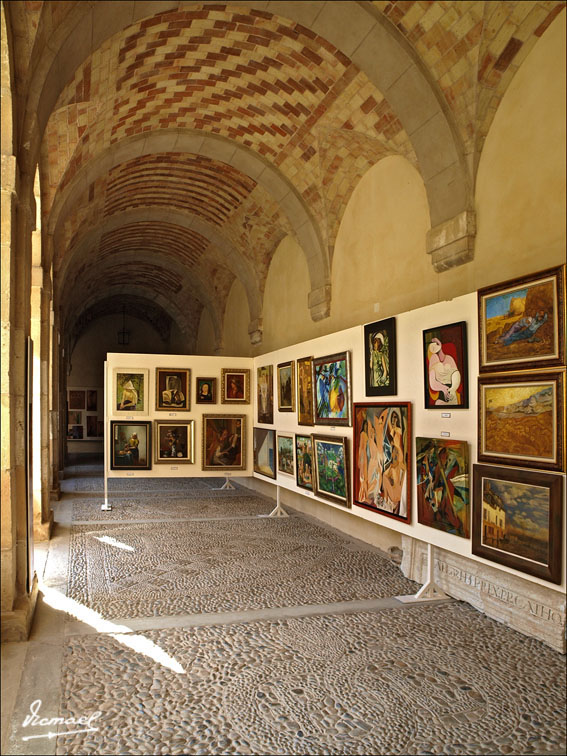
445 365
382 458
92 426
224 442
92 400
130 445
331 468
76 399
286 386
235 385
522 420
174 441
75 417
305 391
265 394
206 390
130 391
521 323
304 461
443 499
380 358
74 432
265 452
173 389
517 519
331 389
285 455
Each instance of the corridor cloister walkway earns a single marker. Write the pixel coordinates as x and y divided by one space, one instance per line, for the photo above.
185 621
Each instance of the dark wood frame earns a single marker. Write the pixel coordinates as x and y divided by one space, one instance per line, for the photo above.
185 377
226 468
190 459
272 432
213 383
302 485
225 374
339 441
269 415
409 462
550 571
282 407
534 363
558 380
389 326
464 370
148 425
320 361
307 418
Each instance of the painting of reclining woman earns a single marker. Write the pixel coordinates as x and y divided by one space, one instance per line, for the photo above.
382 450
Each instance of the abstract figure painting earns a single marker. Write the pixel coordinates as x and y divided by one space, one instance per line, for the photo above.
382 457
331 389
172 389
517 519
265 452
380 357
130 445
331 468
522 322
443 500
224 442
235 386
174 441
305 391
130 389
286 386
445 365
522 420
265 394
285 454
304 461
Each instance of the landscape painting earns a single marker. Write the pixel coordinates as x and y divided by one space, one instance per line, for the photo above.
285 455
304 461
521 420
521 322
517 519
265 452
443 500
331 469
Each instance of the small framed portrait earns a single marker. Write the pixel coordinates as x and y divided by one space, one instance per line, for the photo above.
235 385
304 461
130 391
265 394
522 420
173 388
92 400
286 386
521 323
174 442
285 454
305 391
206 390
331 468
446 379
380 358
130 445
224 442
331 389
265 452
76 399
517 519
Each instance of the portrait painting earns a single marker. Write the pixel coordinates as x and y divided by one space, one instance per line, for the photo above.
286 386
173 387
517 519
206 390
380 357
304 461
285 454
305 391
130 388
224 442
443 499
130 445
522 420
265 452
235 385
265 394
331 468
76 399
92 400
522 322
174 441
382 458
331 389
92 426
446 367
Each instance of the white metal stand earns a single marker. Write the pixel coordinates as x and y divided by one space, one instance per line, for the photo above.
106 506
429 591
225 486
278 511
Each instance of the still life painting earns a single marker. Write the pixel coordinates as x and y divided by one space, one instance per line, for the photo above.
174 441
331 389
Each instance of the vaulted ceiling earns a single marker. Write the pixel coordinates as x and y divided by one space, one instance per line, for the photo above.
179 142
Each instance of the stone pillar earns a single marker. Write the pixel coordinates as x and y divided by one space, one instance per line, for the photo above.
256 331
319 302
54 435
451 243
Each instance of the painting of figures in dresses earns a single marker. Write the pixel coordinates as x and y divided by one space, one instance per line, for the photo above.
443 499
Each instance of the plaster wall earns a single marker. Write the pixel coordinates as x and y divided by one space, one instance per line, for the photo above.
206 334
236 320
